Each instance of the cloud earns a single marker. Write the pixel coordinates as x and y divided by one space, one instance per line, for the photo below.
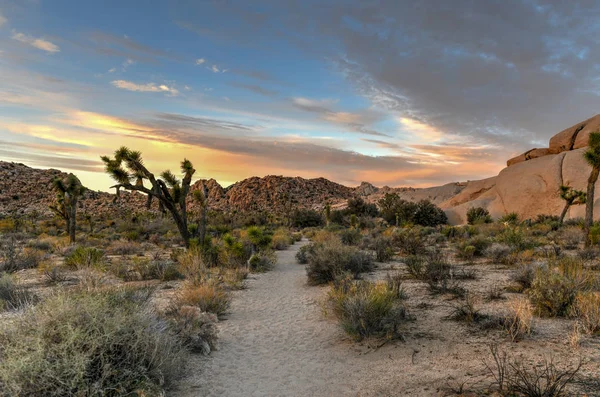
355 121
148 87
256 89
215 69
38 43
200 61
3 20
126 64
112 70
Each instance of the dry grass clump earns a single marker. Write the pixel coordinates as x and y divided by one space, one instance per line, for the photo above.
124 247
327 261
367 309
518 322
137 269
586 309
208 296
282 239
100 343
13 296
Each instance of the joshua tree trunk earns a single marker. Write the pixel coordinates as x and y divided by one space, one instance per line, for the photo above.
589 207
564 212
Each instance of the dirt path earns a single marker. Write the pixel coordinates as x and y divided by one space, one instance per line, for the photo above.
276 342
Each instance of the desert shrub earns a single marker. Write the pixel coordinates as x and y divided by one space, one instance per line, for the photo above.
233 253
330 260
53 274
281 240
477 245
409 242
366 309
569 237
512 218
515 238
514 378
478 215
415 265
397 211
303 253
555 287
13 296
189 263
262 261
429 214
524 275
197 330
82 257
518 321
124 247
586 309
359 207
499 253
104 343
297 236
14 258
588 254
302 218
467 312
351 236
233 277
41 245
259 238
382 245
208 296
146 269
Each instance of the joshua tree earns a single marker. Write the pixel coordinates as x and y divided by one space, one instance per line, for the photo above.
201 197
571 197
592 156
327 213
69 190
127 166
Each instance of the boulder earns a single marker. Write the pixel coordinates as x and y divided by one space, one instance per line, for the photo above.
528 155
574 137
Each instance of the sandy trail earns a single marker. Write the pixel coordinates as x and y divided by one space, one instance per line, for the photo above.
275 342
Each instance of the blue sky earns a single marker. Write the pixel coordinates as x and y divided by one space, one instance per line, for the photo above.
393 92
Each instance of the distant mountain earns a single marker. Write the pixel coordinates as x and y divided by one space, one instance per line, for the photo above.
528 186
24 189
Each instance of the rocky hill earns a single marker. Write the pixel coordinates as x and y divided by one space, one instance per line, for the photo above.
528 186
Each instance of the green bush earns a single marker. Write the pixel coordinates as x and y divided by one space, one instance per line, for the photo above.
409 241
262 261
366 309
351 236
329 260
307 218
382 246
304 252
82 257
89 344
555 287
515 238
478 215
478 245
512 218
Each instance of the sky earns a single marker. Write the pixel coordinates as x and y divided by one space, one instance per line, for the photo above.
397 93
